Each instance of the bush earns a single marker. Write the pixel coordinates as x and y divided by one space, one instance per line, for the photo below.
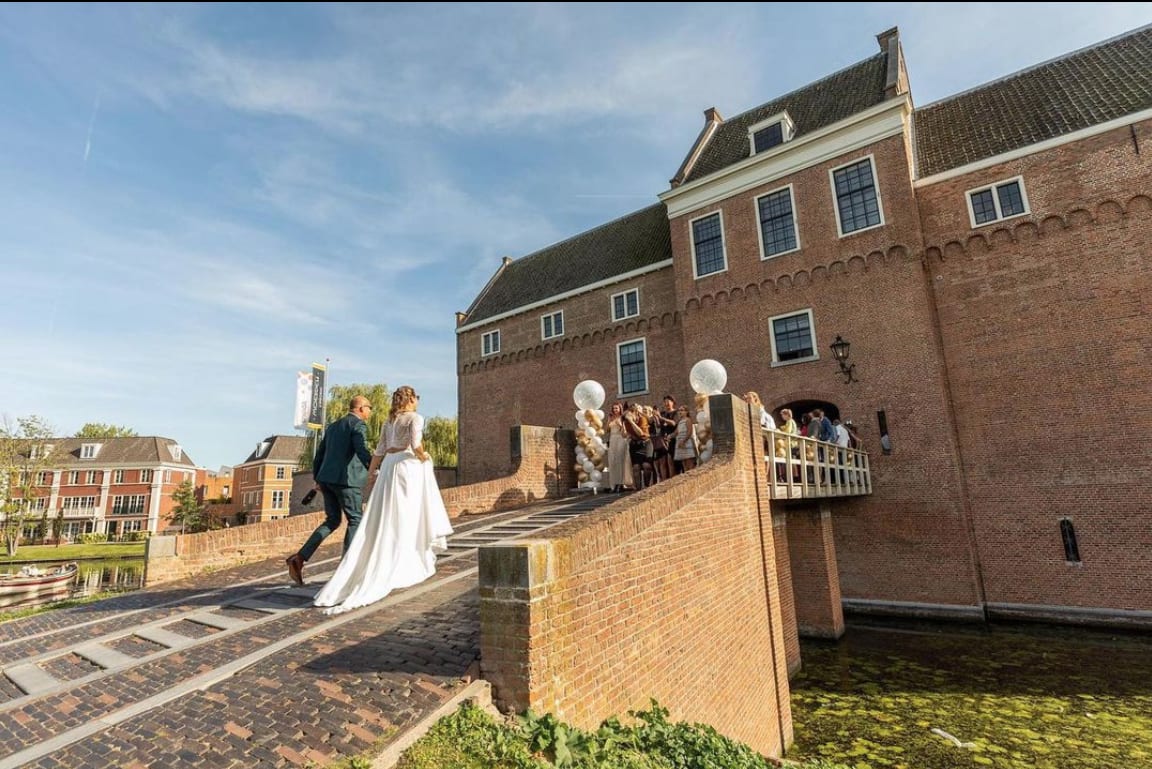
92 538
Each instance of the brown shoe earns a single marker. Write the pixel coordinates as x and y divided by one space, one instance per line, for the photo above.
296 569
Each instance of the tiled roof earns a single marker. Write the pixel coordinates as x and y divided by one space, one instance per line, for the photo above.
150 450
277 448
637 240
1082 89
811 108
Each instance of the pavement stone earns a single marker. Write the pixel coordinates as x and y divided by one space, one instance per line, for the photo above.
340 686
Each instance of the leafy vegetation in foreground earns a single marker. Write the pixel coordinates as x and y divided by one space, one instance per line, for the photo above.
72 552
471 739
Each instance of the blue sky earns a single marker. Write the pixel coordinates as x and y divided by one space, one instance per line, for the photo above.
197 201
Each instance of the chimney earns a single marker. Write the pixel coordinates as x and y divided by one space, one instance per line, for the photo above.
712 121
896 78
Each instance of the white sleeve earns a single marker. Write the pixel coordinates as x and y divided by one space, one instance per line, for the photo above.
416 431
382 444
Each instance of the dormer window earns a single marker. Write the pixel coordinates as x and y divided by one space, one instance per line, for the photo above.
176 452
771 132
89 450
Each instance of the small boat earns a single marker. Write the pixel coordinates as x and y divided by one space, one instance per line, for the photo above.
33 585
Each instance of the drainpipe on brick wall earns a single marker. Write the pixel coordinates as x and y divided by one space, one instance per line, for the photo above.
965 502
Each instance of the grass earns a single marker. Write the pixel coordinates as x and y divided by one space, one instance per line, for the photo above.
74 552
29 611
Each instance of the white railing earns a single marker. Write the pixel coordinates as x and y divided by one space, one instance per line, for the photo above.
800 467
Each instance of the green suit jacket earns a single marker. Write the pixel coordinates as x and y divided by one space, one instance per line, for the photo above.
343 456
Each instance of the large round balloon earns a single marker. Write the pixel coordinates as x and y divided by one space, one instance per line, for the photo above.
708 377
589 394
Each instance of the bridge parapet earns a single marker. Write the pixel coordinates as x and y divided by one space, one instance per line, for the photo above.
671 592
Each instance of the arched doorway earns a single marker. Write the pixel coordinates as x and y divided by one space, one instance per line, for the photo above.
801 407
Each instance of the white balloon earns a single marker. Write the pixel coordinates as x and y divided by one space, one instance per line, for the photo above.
580 416
702 418
599 414
590 431
596 476
708 377
589 394
588 466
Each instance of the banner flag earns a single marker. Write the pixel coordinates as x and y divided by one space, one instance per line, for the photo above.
303 399
316 401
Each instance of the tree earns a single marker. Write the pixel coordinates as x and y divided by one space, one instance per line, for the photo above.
338 398
24 454
441 440
188 512
101 430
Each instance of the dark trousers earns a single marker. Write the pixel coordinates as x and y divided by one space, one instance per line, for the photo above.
339 502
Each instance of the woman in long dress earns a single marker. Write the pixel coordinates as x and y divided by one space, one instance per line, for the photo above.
405 523
619 462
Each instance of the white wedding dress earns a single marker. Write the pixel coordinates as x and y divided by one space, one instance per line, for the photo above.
403 527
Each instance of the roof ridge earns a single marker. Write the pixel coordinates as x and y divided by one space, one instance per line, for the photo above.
570 238
806 86
1034 67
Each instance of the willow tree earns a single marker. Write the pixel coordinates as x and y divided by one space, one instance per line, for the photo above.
339 396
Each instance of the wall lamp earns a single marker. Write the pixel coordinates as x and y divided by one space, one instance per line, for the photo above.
840 350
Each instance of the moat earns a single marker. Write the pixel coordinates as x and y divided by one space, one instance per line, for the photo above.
1011 696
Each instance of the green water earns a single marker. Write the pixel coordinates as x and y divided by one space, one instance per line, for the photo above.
1027 696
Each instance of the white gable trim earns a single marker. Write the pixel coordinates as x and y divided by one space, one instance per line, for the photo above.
857 132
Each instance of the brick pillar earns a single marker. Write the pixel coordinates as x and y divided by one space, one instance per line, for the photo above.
815 580
787 598
513 581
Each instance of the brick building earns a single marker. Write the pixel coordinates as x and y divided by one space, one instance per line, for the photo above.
988 258
262 483
114 486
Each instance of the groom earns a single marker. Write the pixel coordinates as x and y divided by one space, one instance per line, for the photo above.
340 469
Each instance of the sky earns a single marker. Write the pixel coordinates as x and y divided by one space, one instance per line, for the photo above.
198 201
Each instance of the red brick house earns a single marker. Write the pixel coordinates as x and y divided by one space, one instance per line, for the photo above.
262 483
114 486
988 257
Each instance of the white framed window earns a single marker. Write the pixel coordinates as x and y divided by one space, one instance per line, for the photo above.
127 527
128 504
77 504
770 133
90 477
632 367
89 450
626 304
280 473
277 500
857 196
708 255
145 476
44 478
118 476
793 338
776 213
552 325
74 478
996 202
490 343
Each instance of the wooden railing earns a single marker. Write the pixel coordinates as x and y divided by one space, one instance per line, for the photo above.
800 468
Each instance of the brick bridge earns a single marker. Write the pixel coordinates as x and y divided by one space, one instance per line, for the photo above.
693 592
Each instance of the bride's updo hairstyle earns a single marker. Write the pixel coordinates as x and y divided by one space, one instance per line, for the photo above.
404 399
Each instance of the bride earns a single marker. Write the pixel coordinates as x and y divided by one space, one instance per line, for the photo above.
405 523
